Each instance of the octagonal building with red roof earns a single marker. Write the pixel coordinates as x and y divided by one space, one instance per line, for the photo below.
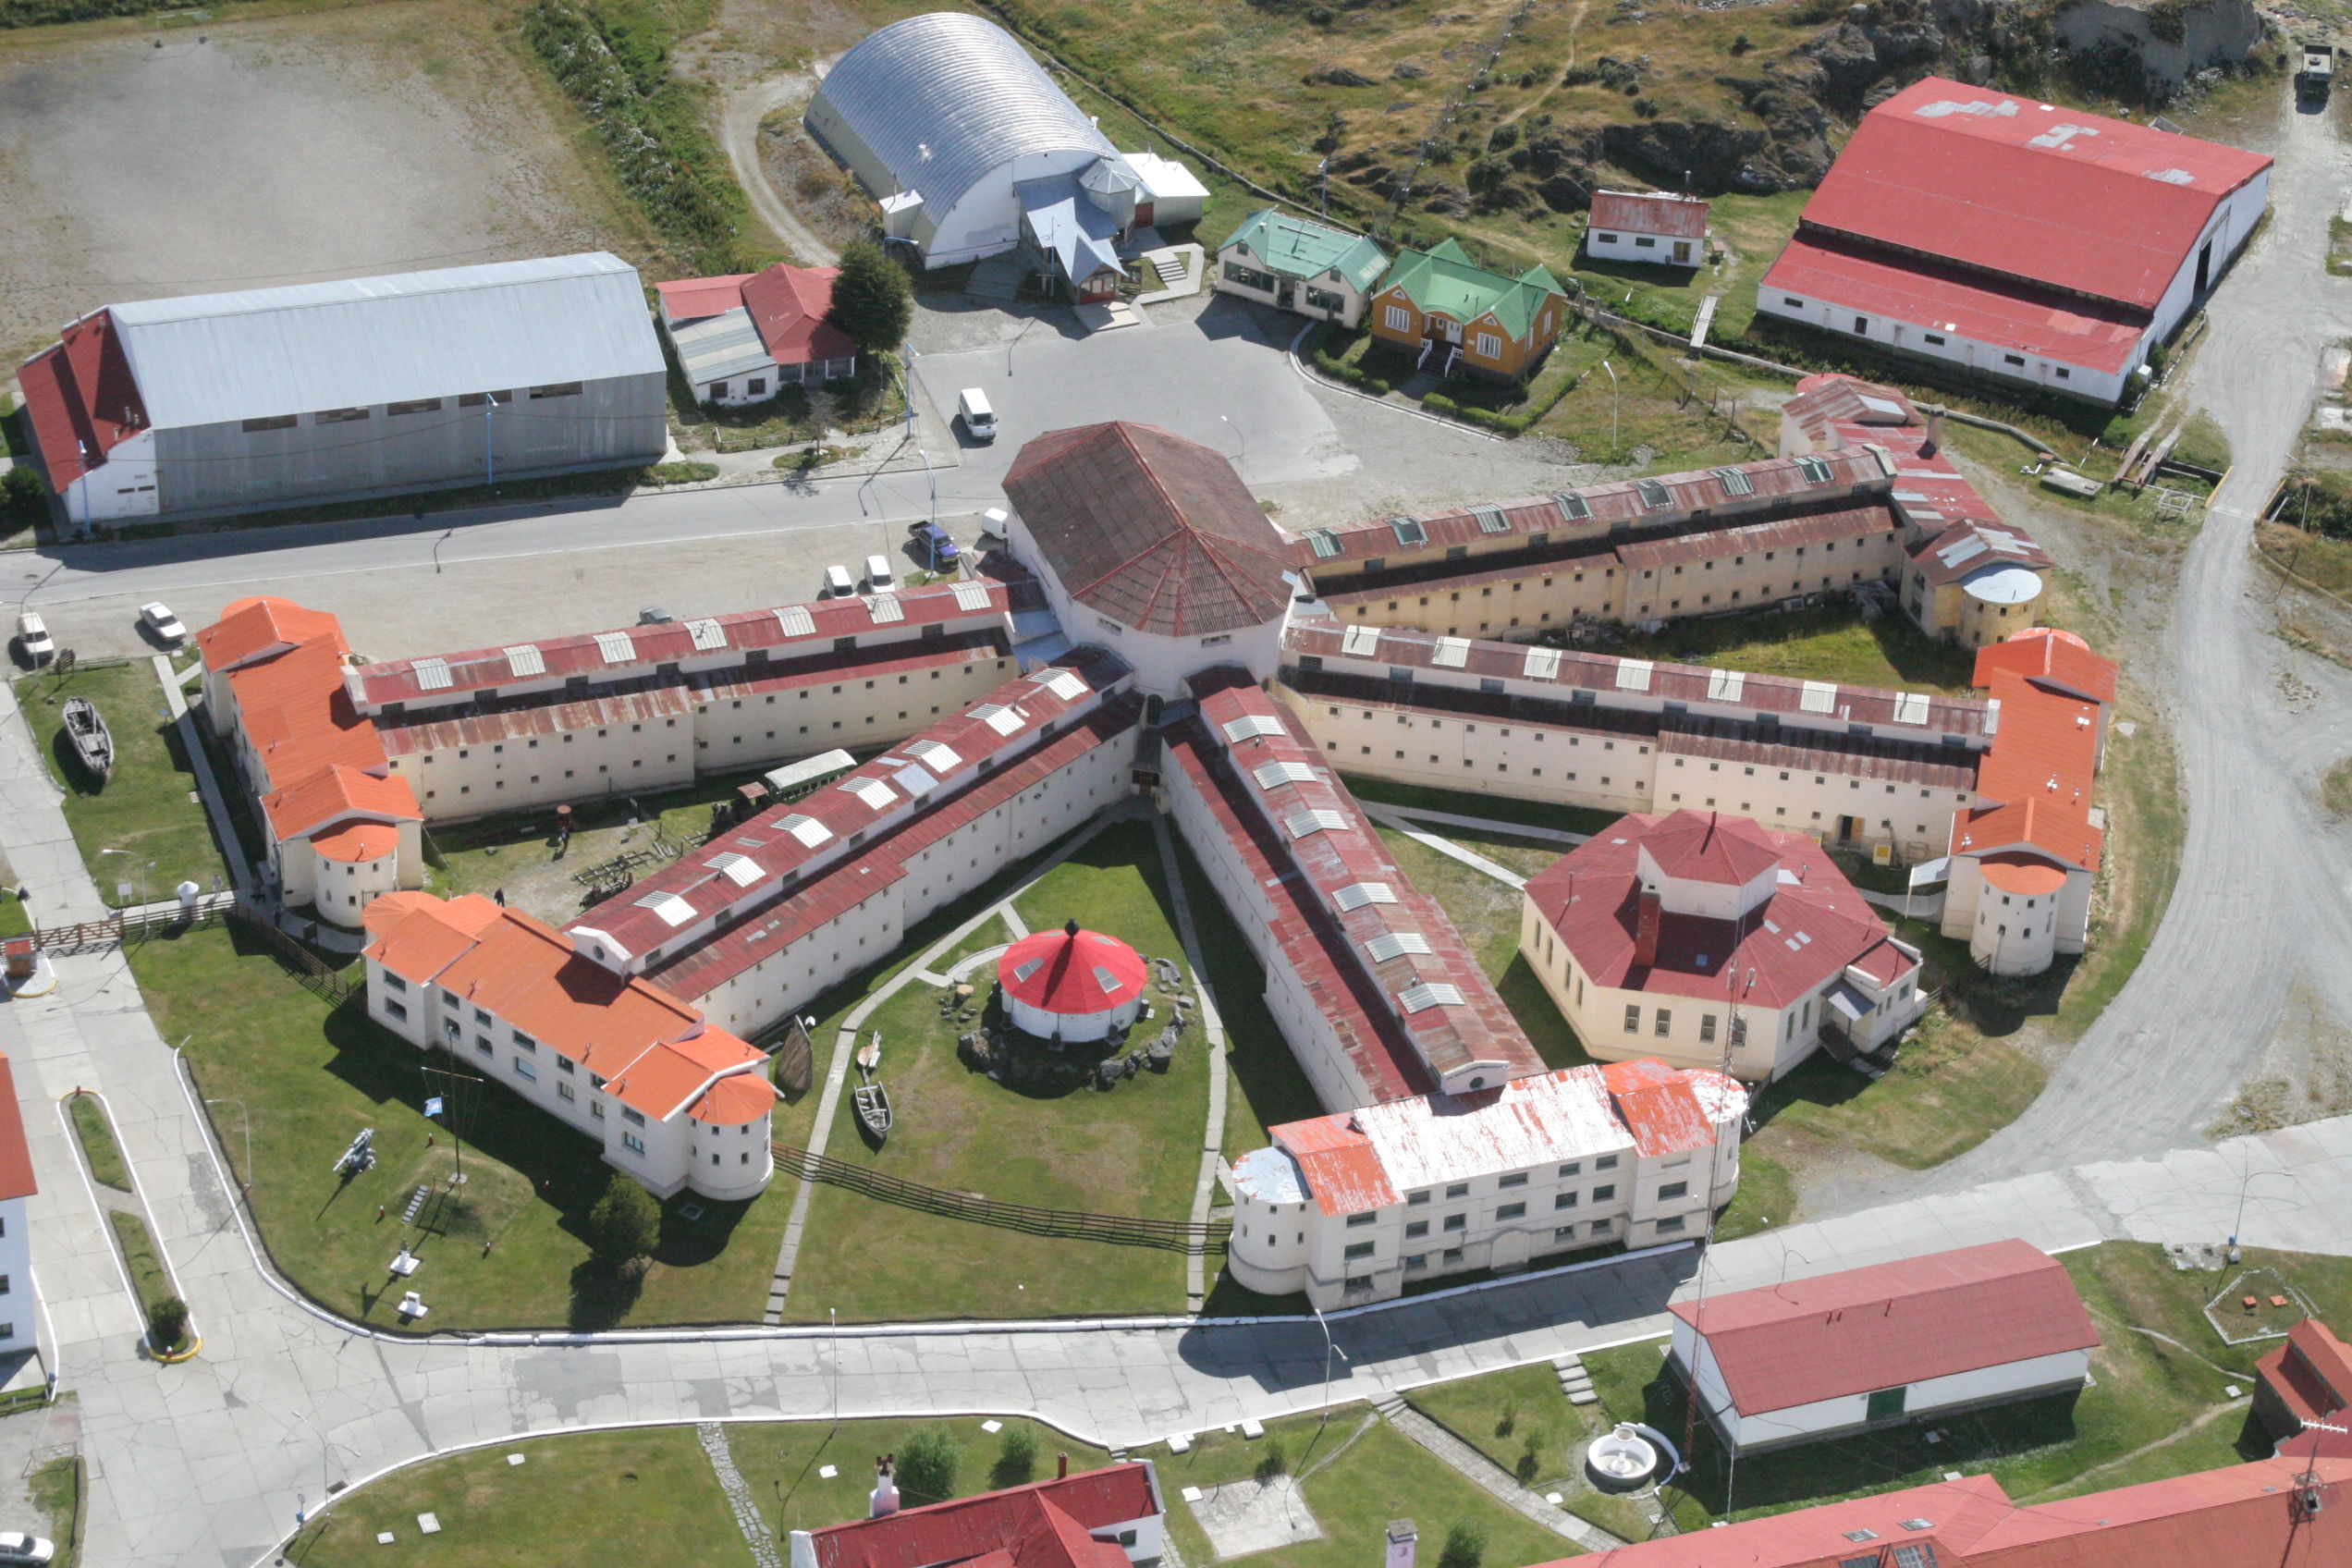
1072 984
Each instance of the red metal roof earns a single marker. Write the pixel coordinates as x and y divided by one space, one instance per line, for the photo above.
1045 1524
1812 927
2237 1516
2075 201
1683 217
1154 531
16 1180
357 844
692 299
328 796
1944 298
2026 876
1728 850
251 629
1073 972
1859 1329
82 398
2047 656
788 305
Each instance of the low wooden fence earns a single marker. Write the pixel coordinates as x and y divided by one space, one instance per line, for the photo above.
126 927
1174 1235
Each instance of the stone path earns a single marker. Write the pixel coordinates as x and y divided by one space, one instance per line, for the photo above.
1213 1040
739 1495
1494 1479
1447 847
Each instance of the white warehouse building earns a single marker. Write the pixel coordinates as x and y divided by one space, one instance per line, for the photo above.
961 136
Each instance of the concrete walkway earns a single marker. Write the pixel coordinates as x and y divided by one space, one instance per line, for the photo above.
1447 847
215 807
1494 1479
1482 824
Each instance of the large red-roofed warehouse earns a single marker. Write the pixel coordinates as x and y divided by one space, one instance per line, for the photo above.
2015 239
1871 1347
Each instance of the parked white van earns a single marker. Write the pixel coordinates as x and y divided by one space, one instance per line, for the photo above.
836 582
878 575
979 419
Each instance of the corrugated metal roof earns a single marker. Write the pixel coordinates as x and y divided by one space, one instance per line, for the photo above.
944 99
722 347
357 342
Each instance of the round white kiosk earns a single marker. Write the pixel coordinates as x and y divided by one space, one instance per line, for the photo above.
1071 983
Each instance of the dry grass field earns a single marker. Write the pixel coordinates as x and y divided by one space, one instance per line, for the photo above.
148 159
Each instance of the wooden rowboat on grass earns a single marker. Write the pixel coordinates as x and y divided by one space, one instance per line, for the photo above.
86 727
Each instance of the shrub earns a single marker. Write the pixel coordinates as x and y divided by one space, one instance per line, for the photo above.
1272 1463
1740 46
871 300
1017 1460
625 1223
22 494
928 1464
1465 1546
680 473
1502 138
1437 402
166 1324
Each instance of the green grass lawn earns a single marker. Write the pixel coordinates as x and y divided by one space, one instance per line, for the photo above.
14 920
140 827
145 1264
1520 1419
1355 1485
55 1490
1831 643
1495 808
1950 1089
2156 1407
96 1136
303 1078
780 1461
650 1492
1131 1150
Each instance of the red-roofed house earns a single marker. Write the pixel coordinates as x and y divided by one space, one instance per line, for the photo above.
744 337
1872 1347
2259 1516
2303 1392
674 1102
1653 226
1105 1518
1354 1208
20 1314
1707 941
2018 239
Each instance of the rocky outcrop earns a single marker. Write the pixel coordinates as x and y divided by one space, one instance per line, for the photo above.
1338 76
2165 41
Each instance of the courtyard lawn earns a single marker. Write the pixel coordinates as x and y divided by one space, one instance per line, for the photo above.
649 1491
2157 1405
1132 1150
1355 1475
142 826
1520 1419
1950 1089
1829 642
1495 808
300 1078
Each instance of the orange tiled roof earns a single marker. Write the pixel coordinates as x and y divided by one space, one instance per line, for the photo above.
2049 657
328 795
253 627
733 1100
418 935
358 842
2058 831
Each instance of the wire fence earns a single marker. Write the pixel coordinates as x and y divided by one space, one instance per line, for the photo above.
1174 1235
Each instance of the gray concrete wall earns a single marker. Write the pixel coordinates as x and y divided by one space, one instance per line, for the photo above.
226 467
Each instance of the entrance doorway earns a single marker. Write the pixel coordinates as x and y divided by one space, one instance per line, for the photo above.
2204 266
1284 293
1682 253
1846 830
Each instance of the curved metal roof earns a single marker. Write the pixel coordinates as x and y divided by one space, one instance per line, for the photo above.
2004 584
944 98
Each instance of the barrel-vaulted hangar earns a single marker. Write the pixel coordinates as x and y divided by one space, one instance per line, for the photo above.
944 117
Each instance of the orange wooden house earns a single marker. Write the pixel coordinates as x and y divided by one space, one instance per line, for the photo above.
1456 317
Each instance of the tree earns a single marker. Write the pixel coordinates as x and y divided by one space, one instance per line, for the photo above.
928 1464
871 300
167 1325
1017 1461
22 493
1465 1546
625 1222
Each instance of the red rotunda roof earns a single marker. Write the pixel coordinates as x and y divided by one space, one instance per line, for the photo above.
1071 971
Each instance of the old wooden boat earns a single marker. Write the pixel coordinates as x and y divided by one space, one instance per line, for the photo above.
86 727
872 1103
869 1055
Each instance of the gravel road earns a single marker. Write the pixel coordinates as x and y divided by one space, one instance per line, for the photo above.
2265 888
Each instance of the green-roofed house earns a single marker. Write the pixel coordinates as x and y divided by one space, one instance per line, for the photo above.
1454 316
1295 263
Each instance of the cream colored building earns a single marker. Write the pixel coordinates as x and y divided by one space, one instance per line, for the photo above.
1851 765
1353 1207
1703 940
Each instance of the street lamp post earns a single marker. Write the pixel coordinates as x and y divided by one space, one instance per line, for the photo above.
1613 409
1329 1351
2238 1226
1241 439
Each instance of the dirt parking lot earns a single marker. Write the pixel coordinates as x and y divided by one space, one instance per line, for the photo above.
184 158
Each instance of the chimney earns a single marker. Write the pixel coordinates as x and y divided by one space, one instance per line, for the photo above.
885 1490
1646 920
1401 1542
1062 1466
1935 433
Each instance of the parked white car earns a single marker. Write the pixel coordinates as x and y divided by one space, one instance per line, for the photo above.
32 636
157 618
17 1547
877 574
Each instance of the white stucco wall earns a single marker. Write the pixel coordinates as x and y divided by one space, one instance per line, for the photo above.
20 1304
